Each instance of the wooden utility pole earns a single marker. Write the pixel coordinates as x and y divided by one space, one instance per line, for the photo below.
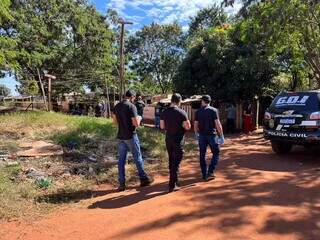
49 77
121 68
43 92
108 99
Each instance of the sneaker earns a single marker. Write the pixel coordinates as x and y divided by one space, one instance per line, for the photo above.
211 176
146 182
174 188
121 188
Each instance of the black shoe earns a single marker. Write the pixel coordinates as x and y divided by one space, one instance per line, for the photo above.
211 176
121 188
205 179
146 182
174 188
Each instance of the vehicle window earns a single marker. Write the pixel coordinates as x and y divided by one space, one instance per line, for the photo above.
296 101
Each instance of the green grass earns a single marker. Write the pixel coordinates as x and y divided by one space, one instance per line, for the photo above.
24 198
55 126
153 141
80 129
16 198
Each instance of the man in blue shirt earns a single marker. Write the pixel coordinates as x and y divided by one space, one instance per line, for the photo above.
208 128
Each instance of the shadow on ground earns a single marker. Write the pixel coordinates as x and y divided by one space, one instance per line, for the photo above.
68 197
142 194
284 188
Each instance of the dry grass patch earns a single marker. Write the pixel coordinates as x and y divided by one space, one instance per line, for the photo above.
88 143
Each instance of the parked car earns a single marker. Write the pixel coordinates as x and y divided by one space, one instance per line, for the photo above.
293 119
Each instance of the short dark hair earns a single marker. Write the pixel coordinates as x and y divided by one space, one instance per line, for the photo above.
130 93
206 99
176 98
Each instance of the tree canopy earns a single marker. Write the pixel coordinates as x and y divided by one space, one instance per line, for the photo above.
224 66
7 52
213 16
292 31
267 47
156 50
69 39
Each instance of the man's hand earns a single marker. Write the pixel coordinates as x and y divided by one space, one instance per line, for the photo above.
136 121
186 125
219 127
221 140
162 124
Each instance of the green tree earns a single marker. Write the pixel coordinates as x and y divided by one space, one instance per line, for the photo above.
7 45
156 52
246 4
213 16
4 90
222 64
292 35
29 88
69 39
296 29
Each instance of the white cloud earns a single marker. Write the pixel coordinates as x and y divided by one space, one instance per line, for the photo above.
119 5
165 11
185 28
139 3
134 18
154 12
234 9
170 18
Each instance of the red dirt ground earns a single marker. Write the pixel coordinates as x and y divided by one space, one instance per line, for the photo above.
256 195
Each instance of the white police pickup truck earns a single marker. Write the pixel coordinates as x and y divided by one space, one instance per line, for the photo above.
293 119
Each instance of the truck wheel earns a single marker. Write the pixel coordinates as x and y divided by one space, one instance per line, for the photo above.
281 147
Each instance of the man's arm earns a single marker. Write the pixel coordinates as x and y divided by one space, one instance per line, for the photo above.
219 127
196 123
136 121
162 124
186 125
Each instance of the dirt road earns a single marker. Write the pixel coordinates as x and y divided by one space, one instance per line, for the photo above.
257 195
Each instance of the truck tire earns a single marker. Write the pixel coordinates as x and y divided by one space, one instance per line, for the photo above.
281 147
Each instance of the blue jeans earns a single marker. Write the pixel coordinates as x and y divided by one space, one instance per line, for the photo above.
132 145
204 141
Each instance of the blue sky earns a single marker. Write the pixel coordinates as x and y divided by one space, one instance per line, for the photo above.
10 83
143 12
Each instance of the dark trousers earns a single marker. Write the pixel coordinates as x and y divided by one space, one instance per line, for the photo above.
230 125
175 151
